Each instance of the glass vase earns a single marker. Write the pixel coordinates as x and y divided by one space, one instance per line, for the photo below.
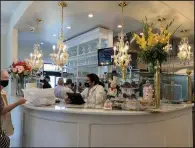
19 85
31 81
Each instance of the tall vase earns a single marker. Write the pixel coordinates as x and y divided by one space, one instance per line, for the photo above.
19 85
151 68
157 85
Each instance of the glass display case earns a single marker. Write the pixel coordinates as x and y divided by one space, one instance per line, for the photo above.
174 87
172 92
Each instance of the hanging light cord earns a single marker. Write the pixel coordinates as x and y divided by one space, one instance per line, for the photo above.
62 21
122 18
37 31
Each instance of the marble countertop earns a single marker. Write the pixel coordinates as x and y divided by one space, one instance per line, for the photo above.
76 109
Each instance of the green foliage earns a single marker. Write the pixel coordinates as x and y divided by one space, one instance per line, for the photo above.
155 54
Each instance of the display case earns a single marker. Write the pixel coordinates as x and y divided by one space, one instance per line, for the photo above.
174 87
172 92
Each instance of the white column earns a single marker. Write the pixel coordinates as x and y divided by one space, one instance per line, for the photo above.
13 55
4 30
12 39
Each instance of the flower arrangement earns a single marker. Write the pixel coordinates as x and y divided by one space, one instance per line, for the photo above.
153 45
20 68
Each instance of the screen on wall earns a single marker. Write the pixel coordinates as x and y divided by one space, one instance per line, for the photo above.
105 56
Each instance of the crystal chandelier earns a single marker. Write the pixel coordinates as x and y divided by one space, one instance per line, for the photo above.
60 56
35 59
121 56
184 49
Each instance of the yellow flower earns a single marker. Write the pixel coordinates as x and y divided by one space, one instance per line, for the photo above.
140 41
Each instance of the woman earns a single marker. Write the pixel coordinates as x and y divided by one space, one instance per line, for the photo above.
94 93
5 108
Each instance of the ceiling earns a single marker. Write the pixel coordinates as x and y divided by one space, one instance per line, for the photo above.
106 14
7 9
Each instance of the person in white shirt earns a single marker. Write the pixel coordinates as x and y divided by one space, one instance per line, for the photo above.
61 91
94 93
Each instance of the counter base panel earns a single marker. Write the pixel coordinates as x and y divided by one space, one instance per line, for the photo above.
51 129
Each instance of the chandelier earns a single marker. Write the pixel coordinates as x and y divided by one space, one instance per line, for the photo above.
60 56
35 59
184 49
121 56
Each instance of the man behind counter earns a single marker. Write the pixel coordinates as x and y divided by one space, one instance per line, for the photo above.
45 82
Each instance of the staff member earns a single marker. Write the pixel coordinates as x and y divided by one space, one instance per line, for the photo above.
46 82
94 93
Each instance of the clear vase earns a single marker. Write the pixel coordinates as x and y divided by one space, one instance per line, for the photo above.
19 85
32 81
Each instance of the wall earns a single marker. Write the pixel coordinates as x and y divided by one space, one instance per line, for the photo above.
3 45
3 50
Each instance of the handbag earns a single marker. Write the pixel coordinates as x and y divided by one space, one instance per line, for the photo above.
4 139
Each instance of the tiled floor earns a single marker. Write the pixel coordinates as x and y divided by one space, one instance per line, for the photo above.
17 123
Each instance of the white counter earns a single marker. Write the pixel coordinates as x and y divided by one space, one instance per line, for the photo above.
58 126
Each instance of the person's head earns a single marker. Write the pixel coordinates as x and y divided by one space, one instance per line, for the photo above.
91 80
80 84
4 79
47 78
61 81
69 83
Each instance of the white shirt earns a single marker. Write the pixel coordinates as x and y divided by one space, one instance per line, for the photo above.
96 95
60 91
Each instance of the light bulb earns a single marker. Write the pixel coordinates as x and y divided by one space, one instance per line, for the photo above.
64 47
54 47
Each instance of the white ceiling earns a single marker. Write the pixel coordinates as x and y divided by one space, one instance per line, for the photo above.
106 14
7 9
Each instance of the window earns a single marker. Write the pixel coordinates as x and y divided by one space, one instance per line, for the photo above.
51 67
53 78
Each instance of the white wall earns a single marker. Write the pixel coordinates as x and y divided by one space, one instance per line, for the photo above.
3 50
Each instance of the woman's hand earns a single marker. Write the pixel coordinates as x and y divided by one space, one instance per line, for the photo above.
9 107
21 101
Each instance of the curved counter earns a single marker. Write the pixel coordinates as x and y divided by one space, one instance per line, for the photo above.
61 126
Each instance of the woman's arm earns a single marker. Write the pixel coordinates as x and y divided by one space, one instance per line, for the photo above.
100 95
9 107
84 93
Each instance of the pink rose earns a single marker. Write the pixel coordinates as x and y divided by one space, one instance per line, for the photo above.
14 70
20 69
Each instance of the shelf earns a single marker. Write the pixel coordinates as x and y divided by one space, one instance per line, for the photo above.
76 77
87 65
83 56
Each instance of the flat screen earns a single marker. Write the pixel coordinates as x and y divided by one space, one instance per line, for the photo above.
105 56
